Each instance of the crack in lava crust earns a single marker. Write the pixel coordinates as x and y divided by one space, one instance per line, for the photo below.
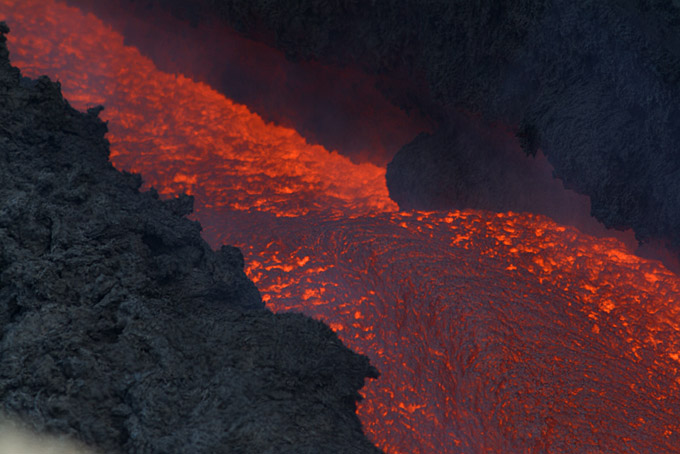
494 332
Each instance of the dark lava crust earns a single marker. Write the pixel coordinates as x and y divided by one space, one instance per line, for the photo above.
120 326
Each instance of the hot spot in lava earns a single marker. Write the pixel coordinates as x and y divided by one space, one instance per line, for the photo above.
494 332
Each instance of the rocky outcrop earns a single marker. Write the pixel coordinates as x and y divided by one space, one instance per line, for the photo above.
120 326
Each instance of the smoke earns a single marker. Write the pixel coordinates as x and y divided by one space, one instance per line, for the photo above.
16 439
465 164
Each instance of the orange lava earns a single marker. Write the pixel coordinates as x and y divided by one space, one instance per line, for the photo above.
164 124
494 333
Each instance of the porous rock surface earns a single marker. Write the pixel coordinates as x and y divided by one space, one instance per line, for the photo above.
121 327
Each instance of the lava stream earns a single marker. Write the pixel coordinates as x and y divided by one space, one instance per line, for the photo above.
494 332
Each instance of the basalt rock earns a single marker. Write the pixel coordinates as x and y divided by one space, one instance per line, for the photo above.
121 327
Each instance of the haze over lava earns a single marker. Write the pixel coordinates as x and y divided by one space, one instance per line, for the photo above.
494 332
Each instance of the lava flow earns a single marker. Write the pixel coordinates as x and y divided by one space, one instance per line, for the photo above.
494 332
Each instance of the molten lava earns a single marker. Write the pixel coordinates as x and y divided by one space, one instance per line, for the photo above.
169 121
494 332
318 101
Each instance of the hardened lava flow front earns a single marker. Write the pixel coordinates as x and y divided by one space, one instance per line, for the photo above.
494 332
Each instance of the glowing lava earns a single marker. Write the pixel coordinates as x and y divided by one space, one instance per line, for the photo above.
500 333
169 123
494 332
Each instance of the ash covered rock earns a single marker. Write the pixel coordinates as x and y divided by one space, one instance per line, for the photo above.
120 326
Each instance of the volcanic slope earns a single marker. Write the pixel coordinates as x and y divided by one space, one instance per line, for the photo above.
120 326
550 340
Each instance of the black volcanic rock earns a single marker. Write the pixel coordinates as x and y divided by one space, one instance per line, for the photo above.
120 326
469 165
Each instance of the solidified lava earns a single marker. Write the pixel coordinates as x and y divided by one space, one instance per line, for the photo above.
259 165
494 332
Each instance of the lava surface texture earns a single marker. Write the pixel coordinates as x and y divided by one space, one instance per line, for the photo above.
494 332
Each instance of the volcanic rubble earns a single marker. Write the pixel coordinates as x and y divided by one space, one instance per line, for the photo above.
122 328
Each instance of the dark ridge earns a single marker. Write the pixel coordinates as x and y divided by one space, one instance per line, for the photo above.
121 327
594 85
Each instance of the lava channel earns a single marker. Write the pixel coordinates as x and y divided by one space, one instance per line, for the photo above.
494 332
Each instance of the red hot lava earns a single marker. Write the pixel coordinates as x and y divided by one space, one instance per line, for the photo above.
494 332
317 100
